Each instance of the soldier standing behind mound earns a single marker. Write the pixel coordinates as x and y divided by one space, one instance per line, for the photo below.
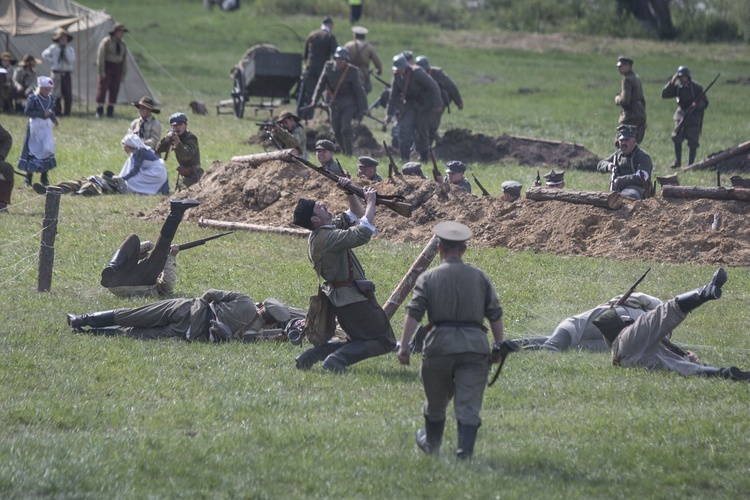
319 47
682 87
631 99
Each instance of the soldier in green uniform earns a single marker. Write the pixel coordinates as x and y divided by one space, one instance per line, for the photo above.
351 295
415 100
186 149
448 91
345 97
290 133
456 355
630 167
361 54
682 87
324 150
319 47
631 99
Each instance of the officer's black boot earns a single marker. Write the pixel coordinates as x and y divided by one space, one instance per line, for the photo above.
110 111
430 438
467 435
677 156
712 291
733 373
109 272
307 359
692 152
94 320
352 353
177 210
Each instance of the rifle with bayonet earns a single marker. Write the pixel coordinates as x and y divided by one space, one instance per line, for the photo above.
479 184
202 241
395 203
392 168
681 124
435 170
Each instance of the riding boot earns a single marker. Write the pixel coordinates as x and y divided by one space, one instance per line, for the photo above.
44 179
467 435
734 373
712 291
692 152
95 320
352 353
29 178
307 359
110 111
430 438
109 272
677 156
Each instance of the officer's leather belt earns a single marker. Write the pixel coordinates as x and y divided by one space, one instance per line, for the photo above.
461 324
340 284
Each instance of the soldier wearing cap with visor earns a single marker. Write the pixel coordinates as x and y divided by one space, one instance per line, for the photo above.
345 97
630 167
511 191
631 98
368 168
361 54
147 127
455 175
319 47
687 92
456 355
324 150
555 180
186 149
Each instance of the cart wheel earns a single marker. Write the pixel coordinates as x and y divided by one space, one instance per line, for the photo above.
239 105
238 94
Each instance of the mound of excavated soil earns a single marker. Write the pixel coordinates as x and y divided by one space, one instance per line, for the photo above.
658 229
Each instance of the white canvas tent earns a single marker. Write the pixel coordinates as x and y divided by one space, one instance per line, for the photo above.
27 27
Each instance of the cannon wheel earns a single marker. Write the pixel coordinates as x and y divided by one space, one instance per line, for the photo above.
238 94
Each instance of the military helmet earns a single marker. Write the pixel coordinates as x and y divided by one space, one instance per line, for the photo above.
422 61
683 71
341 53
399 62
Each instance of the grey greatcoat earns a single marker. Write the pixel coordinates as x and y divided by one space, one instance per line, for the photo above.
686 95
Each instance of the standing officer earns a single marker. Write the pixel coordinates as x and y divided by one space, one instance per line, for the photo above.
319 47
682 87
61 57
631 99
350 294
361 54
456 355
186 149
147 127
111 57
415 99
630 166
346 97
448 91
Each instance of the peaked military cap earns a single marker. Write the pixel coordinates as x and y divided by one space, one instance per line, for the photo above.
624 60
452 232
554 178
367 161
626 131
359 30
413 168
455 166
178 118
325 144
513 188
277 310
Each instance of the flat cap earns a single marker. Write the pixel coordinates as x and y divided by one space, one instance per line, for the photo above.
178 118
512 188
325 144
455 166
413 168
367 161
452 231
303 212
359 30
554 178
624 60
277 310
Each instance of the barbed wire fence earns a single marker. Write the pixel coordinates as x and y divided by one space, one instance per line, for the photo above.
46 255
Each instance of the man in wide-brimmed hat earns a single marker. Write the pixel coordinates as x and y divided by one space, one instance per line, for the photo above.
7 61
62 57
24 79
290 133
147 127
110 61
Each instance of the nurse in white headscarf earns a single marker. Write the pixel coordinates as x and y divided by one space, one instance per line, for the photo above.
143 171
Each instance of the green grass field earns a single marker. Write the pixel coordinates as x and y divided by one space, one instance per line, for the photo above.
87 417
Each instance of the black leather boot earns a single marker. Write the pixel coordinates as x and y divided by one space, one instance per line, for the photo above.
99 111
45 179
307 359
734 373
430 438
94 320
712 291
178 207
109 272
29 179
692 153
467 435
351 353
110 111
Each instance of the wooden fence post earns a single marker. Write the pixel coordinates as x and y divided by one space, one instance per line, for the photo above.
47 246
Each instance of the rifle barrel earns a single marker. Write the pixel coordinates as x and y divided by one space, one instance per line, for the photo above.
201 241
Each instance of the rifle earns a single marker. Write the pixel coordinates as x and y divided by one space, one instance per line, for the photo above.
630 291
435 170
392 168
388 85
484 191
538 181
395 203
267 124
346 173
681 124
502 352
381 122
201 241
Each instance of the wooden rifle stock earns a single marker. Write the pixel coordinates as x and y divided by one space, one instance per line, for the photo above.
394 203
681 124
435 170
202 241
